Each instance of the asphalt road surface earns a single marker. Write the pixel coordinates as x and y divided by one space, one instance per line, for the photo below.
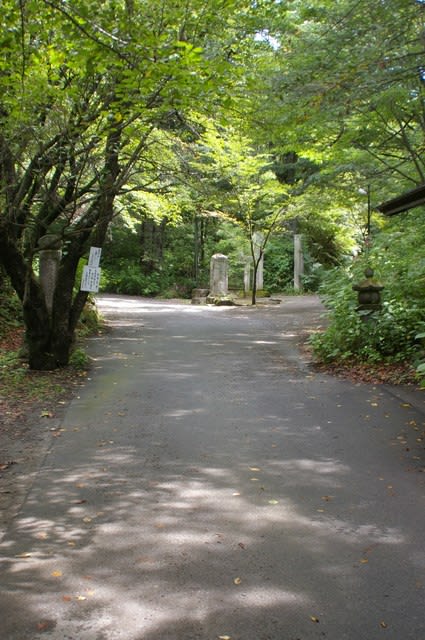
208 484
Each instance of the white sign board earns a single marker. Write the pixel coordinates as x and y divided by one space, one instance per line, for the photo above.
91 279
94 257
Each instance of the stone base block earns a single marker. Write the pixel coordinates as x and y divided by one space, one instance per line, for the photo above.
200 293
220 301
199 296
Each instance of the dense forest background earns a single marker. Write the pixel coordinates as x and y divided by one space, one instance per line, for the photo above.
165 132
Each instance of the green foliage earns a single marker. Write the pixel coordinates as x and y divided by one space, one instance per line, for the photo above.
279 265
340 339
10 308
349 90
90 320
314 274
130 280
393 333
123 245
17 380
94 103
12 368
205 124
79 359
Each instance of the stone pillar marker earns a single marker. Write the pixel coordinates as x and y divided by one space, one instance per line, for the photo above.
50 257
247 276
298 262
219 278
219 281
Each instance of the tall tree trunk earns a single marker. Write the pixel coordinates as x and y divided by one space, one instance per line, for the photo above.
50 335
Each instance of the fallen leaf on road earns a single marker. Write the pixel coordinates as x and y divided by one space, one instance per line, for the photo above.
241 545
314 619
56 574
46 414
144 559
383 625
237 581
42 535
6 465
46 625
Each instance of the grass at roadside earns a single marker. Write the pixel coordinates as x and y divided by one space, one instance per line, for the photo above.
27 396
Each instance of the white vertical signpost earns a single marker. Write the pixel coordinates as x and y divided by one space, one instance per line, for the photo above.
91 272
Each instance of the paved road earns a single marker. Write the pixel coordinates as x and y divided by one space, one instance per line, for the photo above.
208 484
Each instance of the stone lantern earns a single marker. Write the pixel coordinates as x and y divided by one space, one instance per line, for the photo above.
369 294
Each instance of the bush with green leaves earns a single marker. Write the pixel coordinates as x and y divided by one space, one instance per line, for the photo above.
392 334
279 265
130 280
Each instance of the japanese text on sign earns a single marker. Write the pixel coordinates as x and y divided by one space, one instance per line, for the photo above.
91 279
94 257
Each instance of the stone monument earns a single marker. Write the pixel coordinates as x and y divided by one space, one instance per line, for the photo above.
247 276
219 281
298 262
369 295
50 257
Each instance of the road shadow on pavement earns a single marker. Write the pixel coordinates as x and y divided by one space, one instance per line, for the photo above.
265 509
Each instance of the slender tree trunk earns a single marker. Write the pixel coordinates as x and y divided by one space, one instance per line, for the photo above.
255 261
254 285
